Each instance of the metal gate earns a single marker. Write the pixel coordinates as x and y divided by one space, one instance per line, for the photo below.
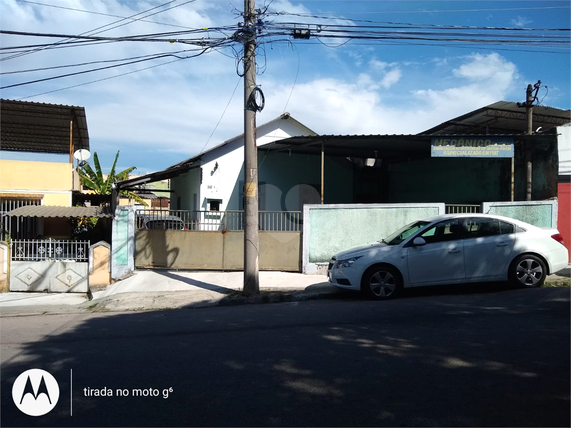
58 266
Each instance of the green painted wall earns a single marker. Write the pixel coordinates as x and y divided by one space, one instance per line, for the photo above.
184 186
538 213
286 174
333 228
450 180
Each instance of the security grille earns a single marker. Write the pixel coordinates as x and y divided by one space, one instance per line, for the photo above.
8 204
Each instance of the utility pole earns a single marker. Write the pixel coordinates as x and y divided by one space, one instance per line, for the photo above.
529 117
251 239
530 97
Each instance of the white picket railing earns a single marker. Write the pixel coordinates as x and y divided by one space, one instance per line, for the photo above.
49 249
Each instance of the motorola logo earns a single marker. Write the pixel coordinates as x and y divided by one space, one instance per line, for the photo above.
35 392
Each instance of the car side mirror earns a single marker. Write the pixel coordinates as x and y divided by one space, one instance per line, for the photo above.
418 242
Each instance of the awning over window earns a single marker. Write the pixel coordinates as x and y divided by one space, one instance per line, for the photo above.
51 211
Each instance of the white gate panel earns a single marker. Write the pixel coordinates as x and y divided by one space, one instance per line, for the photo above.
52 276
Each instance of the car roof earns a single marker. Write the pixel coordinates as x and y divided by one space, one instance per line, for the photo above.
151 217
478 215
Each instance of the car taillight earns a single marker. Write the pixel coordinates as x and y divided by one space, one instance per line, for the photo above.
559 238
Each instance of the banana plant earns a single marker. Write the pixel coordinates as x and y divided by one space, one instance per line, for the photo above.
94 179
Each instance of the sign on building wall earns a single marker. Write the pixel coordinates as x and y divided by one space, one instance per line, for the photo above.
474 147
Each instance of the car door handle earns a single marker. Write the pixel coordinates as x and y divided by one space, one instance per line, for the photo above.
502 244
454 250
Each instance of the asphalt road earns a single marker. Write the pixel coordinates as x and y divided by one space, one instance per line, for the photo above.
469 358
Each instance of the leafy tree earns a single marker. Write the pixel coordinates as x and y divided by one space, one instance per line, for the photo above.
95 181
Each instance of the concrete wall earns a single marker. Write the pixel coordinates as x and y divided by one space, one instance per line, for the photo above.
183 188
292 181
53 180
214 250
328 229
538 213
564 148
4 262
564 214
222 169
100 264
452 180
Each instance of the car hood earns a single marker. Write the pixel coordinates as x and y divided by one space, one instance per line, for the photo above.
361 250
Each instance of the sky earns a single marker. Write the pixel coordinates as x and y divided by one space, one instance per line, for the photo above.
161 111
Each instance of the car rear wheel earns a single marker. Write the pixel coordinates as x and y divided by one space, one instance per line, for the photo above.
381 282
528 271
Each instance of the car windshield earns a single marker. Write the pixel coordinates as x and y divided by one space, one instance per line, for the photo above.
403 233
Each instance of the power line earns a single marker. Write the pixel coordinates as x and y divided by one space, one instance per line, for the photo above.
151 56
91 31
88 71
106 78
98 13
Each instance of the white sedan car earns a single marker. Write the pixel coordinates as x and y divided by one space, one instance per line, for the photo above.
451 249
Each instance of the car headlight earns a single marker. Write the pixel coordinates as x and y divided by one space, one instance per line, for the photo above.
342 264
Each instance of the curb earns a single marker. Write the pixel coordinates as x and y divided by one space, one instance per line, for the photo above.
278 297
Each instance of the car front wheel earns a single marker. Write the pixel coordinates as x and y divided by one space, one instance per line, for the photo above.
528 271
381 282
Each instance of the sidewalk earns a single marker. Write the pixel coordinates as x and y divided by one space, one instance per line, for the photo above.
166 289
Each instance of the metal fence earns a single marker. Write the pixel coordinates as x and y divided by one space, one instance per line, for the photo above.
462 208
12 226
277 221
49 249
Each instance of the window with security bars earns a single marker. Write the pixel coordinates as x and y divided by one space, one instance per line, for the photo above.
10 203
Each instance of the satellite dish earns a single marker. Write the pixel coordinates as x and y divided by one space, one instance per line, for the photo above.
82 155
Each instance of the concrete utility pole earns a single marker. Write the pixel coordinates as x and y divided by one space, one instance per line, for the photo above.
251 239
529 117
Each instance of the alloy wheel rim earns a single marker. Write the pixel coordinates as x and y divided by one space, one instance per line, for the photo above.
529 272
382 284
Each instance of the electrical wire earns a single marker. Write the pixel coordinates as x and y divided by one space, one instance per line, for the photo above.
221 117
87 63
101 28
99 13
107 78
88 71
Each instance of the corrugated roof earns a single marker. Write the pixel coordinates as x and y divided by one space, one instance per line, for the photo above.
54 211
42 128
370 146
502 117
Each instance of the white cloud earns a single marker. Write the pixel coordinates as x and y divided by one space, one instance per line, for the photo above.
391 78
333 106
389 73
521 21
175 108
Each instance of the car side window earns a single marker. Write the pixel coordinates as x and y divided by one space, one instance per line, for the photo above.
506 228
482 227
444 231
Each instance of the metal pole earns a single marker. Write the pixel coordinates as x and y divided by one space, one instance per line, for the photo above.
71 142
251 239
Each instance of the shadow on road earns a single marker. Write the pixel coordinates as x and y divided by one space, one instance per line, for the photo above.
460 358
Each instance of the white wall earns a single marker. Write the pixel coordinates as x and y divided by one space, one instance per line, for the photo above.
222 168
564 144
